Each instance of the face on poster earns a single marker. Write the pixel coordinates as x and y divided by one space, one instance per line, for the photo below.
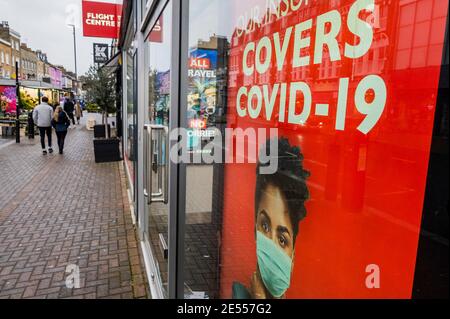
339 80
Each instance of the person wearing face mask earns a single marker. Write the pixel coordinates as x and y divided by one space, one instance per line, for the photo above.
279 208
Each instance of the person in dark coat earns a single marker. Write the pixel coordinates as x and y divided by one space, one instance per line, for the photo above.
69 108
61 123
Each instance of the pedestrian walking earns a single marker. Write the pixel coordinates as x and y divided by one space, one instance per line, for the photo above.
78 112
42 117
69 108
61 123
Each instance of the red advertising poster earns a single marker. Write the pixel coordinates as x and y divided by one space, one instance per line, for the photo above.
101 19
351 87
156 36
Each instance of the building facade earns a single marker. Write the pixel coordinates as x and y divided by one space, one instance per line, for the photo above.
12 37
40 68
29 63
6 67
280 149
43 67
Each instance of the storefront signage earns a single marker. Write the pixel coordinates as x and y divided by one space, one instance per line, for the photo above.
101 53
199 63
101 19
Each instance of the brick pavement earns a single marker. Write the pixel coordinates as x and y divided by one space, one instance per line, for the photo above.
4 141
61 210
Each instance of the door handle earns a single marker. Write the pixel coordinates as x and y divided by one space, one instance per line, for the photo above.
162 196
146 172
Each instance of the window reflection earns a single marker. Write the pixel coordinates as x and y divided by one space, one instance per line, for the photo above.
159 43
367 187
131 111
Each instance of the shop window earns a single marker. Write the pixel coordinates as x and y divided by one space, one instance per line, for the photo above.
159 78
333 193
131 145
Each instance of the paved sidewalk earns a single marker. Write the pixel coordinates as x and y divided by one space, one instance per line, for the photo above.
5 142
65 210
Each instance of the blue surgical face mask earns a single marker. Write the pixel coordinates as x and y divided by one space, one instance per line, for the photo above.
274 264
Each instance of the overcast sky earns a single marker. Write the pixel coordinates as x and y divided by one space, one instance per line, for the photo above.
42 25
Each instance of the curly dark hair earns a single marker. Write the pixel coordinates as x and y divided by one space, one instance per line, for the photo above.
290 178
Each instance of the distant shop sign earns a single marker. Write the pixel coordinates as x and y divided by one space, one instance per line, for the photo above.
101 53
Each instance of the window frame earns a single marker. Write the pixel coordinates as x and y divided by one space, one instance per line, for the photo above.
176 177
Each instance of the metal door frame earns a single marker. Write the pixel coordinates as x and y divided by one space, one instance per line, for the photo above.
177 182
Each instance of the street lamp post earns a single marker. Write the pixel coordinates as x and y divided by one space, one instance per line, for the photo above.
17 104
75 50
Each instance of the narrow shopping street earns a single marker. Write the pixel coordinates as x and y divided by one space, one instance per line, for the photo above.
62 210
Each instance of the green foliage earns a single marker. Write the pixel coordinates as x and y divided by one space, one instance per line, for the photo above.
27 102
100 90
93 108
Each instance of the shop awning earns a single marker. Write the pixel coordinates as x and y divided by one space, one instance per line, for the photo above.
113 64
29 84
5 82
37 85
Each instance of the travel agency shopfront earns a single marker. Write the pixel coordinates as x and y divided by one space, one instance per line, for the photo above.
312 159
